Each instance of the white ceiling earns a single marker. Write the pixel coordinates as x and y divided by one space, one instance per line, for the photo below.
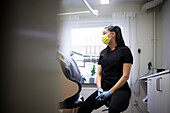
73 4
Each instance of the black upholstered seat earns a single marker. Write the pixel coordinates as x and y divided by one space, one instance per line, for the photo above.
75 100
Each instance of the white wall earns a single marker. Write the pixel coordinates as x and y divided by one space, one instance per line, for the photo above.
163 35
144 41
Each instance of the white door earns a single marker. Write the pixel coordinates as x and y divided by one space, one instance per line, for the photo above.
151 95
165 93
157 94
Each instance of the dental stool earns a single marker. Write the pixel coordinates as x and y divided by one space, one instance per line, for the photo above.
74 100
107 105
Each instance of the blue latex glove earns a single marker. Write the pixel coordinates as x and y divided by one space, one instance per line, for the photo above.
100 92
104 96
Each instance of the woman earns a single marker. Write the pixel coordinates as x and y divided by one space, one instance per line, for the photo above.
114 67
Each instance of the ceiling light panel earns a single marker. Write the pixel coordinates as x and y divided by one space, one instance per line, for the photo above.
104 1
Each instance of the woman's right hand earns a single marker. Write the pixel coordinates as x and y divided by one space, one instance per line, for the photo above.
100 91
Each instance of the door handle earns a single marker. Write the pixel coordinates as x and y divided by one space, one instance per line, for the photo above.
149 81
159 84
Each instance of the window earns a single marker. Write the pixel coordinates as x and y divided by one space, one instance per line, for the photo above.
87 40
86 46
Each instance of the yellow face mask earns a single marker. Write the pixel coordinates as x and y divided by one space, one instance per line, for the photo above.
105 39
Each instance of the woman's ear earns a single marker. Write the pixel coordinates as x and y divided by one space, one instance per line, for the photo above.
113 34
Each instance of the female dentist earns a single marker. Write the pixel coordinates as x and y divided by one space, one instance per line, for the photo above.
114 67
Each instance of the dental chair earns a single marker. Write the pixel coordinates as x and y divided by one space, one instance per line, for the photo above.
70 92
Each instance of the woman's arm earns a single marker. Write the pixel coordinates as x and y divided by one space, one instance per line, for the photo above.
123 79
99 76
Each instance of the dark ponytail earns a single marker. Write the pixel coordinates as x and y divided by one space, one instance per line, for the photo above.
119 37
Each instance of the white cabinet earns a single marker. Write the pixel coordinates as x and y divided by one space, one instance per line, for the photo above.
158 89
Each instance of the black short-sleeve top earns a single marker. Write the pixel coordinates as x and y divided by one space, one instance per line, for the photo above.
111 62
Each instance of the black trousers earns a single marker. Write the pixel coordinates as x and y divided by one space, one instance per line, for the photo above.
118 102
